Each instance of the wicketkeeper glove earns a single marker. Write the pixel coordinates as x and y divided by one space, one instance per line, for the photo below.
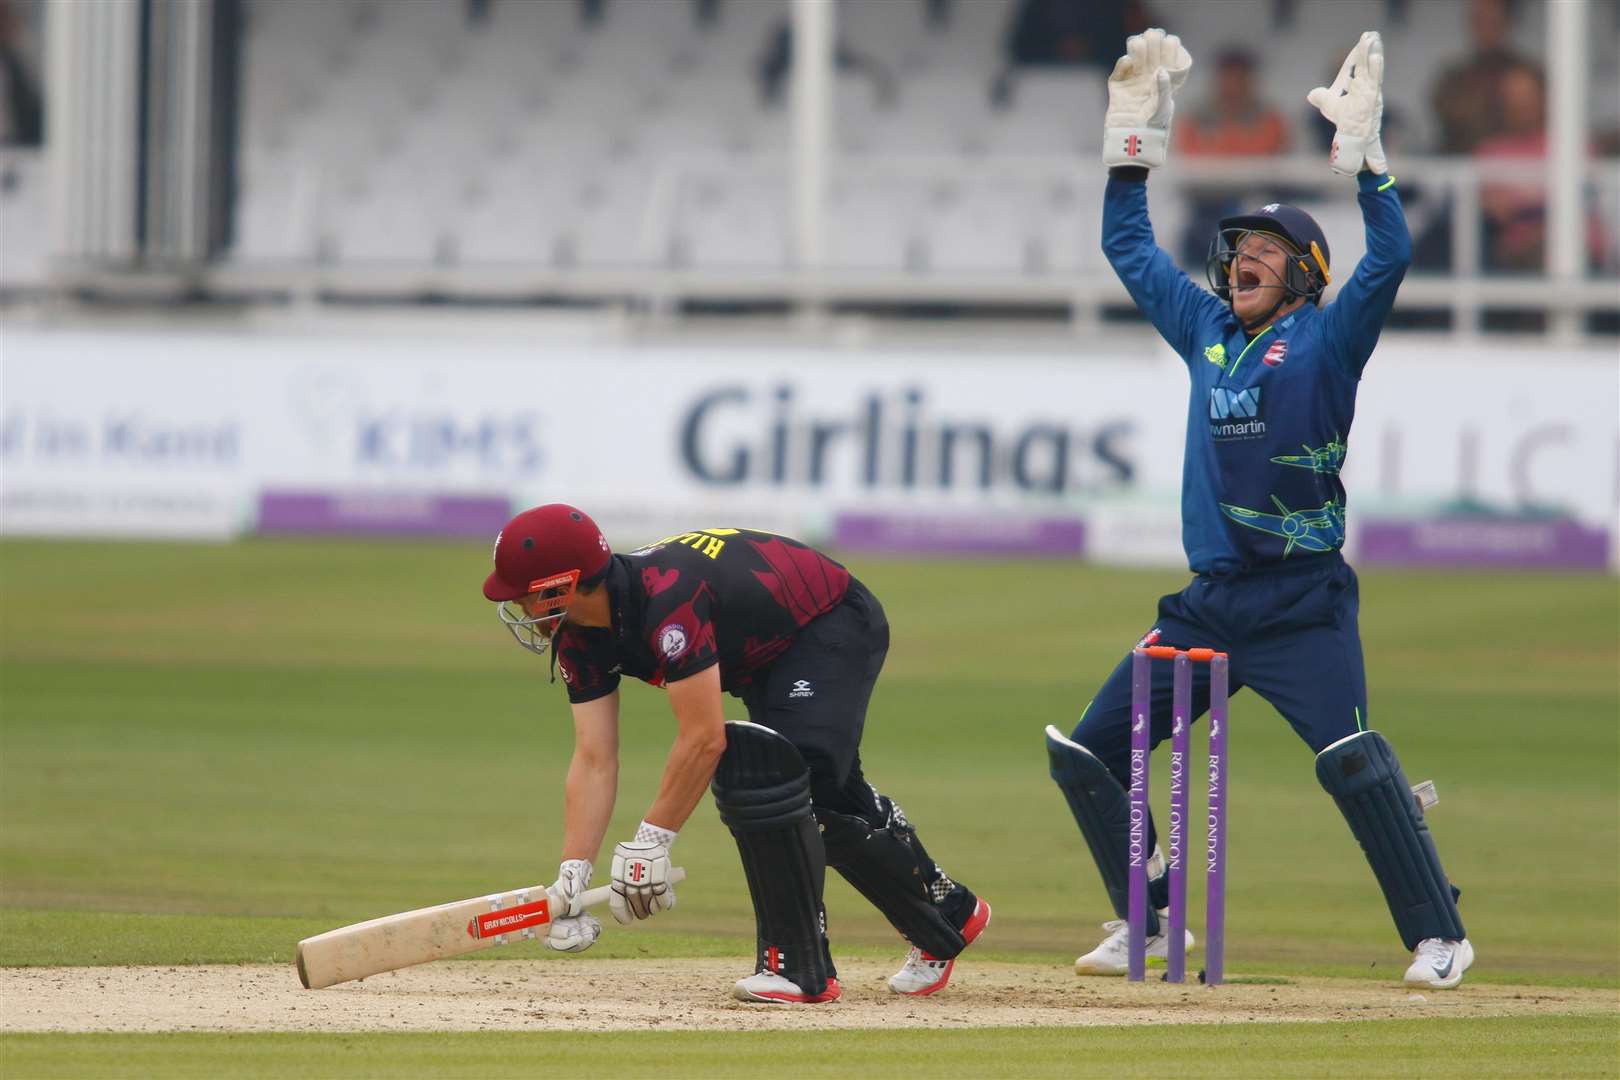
641 885
1355 106
1136 130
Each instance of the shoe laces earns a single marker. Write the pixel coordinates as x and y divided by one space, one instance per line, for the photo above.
1434 950
920 962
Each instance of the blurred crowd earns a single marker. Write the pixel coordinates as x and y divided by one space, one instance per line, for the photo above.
22 112
1489 103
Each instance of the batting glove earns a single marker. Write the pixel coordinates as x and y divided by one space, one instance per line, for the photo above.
573 933
641 885
1136 130
1355 106
573 878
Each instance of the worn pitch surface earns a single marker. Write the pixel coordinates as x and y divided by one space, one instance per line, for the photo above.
598 995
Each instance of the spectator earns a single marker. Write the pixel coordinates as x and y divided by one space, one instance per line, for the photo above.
1467 96
1235 121
777 62
1071 33
1515 212
22 119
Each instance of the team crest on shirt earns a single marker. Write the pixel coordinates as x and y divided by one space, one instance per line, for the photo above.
1274 355
672 641
1149 638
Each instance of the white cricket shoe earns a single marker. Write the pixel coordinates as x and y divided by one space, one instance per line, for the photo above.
1113 956
776 989
1439 963
923 974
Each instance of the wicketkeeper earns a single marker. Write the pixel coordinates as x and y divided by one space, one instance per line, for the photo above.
801 642
1274 376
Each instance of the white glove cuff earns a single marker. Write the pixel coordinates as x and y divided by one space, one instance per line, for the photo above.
648 833
1349 152
1144 146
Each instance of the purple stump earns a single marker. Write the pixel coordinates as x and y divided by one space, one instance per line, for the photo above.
1215 912
1180 755
1136 845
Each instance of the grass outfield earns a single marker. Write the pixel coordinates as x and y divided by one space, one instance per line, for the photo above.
1565 1047
207 752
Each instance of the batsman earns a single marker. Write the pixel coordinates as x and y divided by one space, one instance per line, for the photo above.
801 642
1274 374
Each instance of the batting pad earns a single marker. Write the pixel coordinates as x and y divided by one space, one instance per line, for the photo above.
762 790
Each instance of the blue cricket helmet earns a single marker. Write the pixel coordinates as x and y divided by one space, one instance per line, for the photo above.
1307 275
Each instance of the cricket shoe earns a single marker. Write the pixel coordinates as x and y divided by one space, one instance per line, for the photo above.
776 989
1439 963
923 974
1113 956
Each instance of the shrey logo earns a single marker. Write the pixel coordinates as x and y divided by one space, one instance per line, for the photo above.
1274 355
672 641
1270 208
801 689
1224 403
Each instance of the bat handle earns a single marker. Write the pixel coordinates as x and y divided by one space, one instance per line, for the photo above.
600 894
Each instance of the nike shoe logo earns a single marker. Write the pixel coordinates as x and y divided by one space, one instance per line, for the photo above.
1445 971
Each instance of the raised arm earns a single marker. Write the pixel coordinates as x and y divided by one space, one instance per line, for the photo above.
1136 137
1166 295
1357 315
1355 105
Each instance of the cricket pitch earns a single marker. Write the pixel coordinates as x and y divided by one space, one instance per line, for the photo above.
669 995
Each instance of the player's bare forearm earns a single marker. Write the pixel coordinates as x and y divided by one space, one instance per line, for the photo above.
698 746
593 777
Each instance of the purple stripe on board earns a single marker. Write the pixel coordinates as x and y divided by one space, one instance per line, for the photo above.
959 534
1483 542
382 513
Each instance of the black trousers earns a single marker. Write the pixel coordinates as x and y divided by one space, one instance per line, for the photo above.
815 695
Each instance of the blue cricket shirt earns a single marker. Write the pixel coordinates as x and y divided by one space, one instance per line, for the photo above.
1268 419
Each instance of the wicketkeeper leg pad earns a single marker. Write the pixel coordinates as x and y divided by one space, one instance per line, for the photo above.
880 855
762 790
1365 778
1102 809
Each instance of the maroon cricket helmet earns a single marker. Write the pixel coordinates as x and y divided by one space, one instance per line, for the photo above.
543 544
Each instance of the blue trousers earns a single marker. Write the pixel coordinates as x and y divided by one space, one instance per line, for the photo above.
1291 632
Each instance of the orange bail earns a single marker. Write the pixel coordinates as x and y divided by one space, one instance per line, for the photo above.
1170 652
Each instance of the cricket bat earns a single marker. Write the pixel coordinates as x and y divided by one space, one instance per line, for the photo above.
433 933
